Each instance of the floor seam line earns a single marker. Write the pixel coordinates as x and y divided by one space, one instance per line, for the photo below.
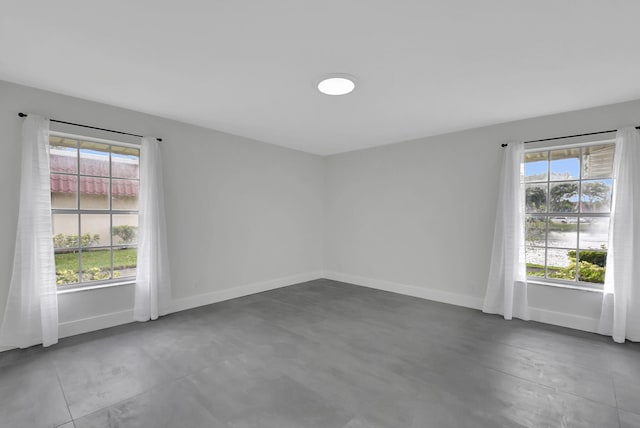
133 396
64 395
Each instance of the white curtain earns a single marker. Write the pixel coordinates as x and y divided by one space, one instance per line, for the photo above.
153 284
507 286
31 313
620 315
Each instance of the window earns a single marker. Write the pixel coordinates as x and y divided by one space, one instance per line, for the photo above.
94 200
568 205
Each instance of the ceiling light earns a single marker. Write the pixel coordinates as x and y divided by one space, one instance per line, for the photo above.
337 84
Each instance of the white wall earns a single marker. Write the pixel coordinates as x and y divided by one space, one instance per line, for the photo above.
418 217
242 215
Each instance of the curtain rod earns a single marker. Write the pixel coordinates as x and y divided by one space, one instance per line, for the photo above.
567 136
91 127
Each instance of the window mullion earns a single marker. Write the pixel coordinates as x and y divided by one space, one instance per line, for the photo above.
111 207
80 276
577 268
547 217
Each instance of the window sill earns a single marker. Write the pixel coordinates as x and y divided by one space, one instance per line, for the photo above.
76 289
590 289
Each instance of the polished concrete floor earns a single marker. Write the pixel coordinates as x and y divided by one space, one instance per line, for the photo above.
324 354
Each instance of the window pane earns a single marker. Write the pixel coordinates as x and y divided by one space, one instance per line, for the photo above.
64 191
94 159
563 232
597 161
535 230
561 264
125 162
124 262
125 194
560 242
66 267
65 230
594 233
94 193
82 179
565 164
596 196
63 155
592 266
96 265
535 261
95 230
125 229
536 198
563 197
536 166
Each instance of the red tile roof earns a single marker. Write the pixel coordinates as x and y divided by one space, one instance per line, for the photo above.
93 185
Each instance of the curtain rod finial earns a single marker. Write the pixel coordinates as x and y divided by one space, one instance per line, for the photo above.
504 144
22 114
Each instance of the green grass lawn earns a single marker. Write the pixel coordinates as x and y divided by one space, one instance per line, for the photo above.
101 259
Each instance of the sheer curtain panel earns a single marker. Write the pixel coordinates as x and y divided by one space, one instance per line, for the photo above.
153 283
31 313
507 285
620 316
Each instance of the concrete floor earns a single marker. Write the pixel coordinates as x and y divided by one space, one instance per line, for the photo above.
325 354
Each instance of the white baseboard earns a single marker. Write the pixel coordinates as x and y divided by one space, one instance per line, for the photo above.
86 325
575 322
562 319
242 290
113 319
409 290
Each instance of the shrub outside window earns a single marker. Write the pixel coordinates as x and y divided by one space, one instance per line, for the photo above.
94 200
568 206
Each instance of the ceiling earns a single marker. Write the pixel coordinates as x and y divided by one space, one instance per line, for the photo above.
423 67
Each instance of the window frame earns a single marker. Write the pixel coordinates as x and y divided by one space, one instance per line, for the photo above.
78 211
555 282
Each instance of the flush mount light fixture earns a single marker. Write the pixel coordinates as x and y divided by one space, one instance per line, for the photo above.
337 84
